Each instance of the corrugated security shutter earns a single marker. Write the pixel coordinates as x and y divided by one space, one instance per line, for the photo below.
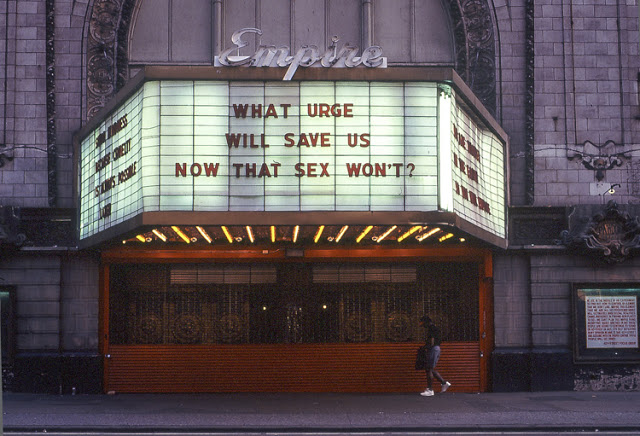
285 368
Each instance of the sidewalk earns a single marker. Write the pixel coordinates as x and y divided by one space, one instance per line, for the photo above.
325 411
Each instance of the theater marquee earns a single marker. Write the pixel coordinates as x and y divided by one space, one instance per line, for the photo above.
273 146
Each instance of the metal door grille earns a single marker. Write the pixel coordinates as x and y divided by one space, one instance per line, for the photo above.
205 304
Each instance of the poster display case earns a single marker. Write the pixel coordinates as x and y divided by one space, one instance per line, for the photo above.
606 322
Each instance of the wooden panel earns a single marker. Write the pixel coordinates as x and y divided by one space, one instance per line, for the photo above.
285 368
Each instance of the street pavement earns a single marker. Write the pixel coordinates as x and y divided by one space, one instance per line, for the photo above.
309 412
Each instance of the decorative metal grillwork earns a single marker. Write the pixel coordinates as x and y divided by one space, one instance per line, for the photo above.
204 304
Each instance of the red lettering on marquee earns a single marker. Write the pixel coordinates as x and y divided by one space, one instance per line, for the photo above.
259 111
472 198
308 140
325 110
311 169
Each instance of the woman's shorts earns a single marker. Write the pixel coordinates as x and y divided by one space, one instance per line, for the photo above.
432 357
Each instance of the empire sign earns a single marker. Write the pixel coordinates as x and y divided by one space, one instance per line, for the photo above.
305 56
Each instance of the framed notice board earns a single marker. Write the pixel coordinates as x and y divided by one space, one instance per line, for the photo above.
605 320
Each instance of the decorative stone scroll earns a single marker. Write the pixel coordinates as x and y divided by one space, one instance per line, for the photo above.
529 102
52 148
611 235
480 48
107 65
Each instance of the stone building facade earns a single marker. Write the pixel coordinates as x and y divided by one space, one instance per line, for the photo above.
561 79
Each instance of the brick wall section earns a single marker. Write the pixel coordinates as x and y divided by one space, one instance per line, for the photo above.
551 280
70 24
511 88
586 86
37 279
80 304
5 190
511 294
24 180
543 318
551 104
7 88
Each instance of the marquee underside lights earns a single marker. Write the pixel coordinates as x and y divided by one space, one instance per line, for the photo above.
204 234
297 234
223 146
227 234
383 236
181 234
364 233
250 234
159 235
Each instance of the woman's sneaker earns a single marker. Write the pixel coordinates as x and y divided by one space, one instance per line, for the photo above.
445 387
427 393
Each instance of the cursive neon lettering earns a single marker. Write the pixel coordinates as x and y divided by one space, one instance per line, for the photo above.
305 56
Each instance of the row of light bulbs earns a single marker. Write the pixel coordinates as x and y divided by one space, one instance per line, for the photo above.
296 232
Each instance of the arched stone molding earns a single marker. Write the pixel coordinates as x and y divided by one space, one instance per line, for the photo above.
107 56
475 41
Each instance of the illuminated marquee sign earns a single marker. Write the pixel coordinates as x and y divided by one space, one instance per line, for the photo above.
477 161
221 146
110 185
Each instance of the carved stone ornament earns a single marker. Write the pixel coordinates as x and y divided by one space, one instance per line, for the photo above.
52 149
475 48
529 102
597 157
611 235
108 69
4 157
